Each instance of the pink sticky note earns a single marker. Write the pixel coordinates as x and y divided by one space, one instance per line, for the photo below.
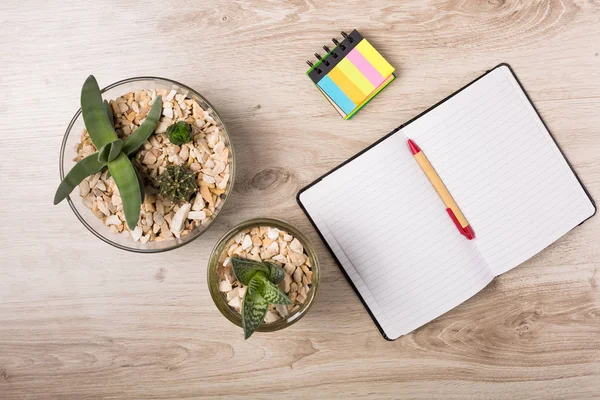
365 67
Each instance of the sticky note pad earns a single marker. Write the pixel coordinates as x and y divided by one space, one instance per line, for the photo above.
374 58
336 94
346 85
356 75
365 67
351 73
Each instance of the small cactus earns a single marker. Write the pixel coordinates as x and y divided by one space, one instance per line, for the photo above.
180 133
177 183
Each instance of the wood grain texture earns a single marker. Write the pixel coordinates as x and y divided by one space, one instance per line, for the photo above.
81 320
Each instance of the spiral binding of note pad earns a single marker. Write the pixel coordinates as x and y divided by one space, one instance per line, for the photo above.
333 56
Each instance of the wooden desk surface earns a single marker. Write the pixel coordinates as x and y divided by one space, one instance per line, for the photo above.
82 320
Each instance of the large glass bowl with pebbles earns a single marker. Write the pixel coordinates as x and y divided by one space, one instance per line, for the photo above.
163 225
265 240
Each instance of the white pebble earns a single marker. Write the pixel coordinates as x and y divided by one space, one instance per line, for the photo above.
247 243
235 303
162 127
273 233
271 317
296 258
208 179
280 258
201 215
84 188
198 203
282 310
176 225
232 293
296 246
239 238
136 234
112 220
116 200
171 94
225 286
158 218
274 247
102 207
289 268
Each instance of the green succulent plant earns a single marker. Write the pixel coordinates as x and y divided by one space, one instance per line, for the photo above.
177 183
261 279
113 153
180 132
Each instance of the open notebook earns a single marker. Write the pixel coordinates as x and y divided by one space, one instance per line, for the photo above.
389 231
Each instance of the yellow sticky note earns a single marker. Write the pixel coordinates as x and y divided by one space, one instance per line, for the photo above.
355 76
373 56
346 85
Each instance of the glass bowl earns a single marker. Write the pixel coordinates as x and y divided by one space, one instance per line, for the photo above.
219 297
68 153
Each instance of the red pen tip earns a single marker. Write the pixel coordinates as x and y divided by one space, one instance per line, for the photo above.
468 232
413 146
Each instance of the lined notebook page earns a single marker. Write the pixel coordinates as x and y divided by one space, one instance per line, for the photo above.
503 169
391 234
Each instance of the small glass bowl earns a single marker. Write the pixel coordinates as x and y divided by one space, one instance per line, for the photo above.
68 153
219 297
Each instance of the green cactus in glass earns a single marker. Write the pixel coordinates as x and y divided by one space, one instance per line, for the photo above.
261 279
180 132
177 183
113 153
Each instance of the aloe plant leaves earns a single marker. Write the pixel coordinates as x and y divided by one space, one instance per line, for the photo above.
113 152
276 273
125 176
110 151
94 114
109 113
270 292
84 168
141 184
141 134
261 279
254 307
244 269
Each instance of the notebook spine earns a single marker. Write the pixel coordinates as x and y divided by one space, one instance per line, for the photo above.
333 56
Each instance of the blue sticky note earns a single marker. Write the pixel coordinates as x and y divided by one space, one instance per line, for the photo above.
336 94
